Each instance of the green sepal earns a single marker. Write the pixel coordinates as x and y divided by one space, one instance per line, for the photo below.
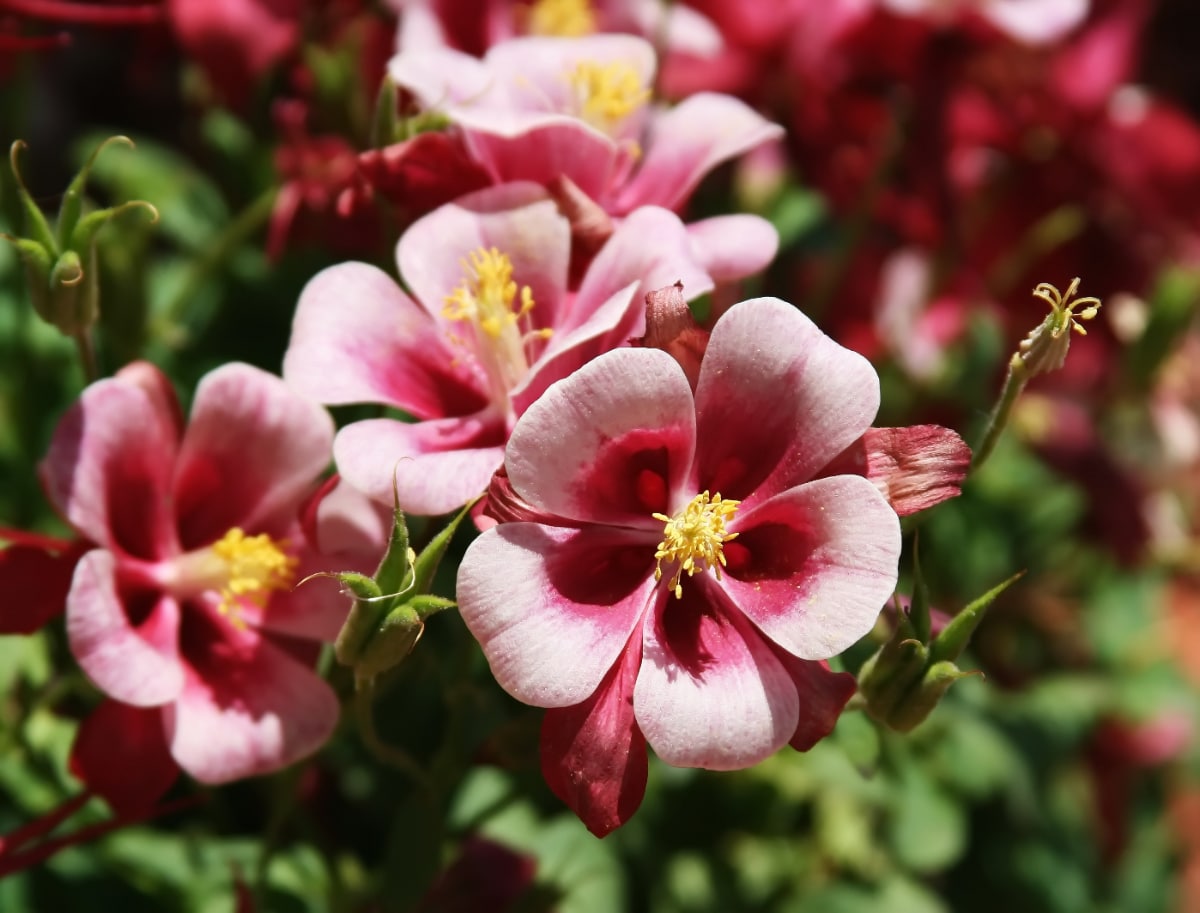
36 224
953 639
386 122
888 676
70 297
394 574
921 700
429 604
72 203
362 619
426 565
390 643
37 259
84 233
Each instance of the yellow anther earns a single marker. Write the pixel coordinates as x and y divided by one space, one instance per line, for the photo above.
607 93
487 295
564 18
255 566
695 538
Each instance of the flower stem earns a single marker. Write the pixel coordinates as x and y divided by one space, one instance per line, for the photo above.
247 222
87 356
398 758
1014 382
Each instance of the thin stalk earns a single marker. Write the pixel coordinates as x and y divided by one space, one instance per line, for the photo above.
1014 382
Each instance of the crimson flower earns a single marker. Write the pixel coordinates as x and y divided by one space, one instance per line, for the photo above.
683 547
186 605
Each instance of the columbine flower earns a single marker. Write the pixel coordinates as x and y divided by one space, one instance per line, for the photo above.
678 557
490 325
542 109
186 604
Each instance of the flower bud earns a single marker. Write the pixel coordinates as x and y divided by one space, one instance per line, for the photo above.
60 261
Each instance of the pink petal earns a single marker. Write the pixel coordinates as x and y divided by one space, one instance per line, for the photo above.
1035 21
358 338
350 525
776 401
553 608
247 708
823 697
441 77
651 247
533 73
438 466
517 219
512 148
610 444
120 752
594 755
710 692
914 467
733 247
687 142
813 566
109 466
252 451
136 663
608 326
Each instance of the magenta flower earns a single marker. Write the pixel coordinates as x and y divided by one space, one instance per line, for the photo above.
490 324
679 556
541 109
186 604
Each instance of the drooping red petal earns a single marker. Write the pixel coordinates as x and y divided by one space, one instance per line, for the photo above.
35 582
823 695
594 754
120 753
914 467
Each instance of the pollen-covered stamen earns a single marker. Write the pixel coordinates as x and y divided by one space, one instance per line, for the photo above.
607 93
255 566
694 538
561 18
242 570
498 309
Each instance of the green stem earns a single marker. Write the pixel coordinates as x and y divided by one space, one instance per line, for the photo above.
398 758
1014 383
87 355
247 222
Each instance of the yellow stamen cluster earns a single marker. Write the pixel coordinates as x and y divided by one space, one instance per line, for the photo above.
486 296
255 567
607 93
563 18
695 538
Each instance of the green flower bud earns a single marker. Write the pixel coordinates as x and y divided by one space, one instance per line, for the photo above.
60 262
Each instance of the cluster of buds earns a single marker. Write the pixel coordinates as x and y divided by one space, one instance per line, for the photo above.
904 681
391 607
60 261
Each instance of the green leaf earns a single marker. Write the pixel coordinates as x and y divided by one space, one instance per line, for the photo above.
927 829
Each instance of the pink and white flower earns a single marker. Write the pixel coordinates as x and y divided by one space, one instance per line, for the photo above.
683 549
542 109
186 605
490 323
